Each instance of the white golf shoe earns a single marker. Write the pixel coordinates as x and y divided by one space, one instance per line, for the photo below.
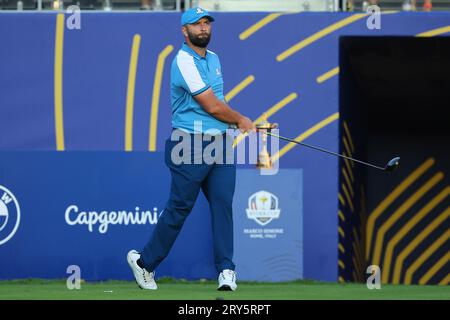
227 280
144 279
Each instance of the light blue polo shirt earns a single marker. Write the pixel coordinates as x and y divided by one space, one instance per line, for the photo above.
192 74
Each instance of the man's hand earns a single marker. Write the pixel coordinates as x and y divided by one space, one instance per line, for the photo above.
245 125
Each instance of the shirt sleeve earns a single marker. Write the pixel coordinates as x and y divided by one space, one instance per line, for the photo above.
194 77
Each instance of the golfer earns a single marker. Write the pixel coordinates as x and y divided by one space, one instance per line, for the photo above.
196 87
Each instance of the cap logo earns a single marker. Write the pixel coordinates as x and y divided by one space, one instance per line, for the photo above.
199 10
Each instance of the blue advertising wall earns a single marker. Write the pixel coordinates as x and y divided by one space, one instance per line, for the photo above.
72 102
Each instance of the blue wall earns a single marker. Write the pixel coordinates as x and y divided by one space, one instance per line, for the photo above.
95 76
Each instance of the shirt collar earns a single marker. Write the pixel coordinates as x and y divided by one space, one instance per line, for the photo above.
185 47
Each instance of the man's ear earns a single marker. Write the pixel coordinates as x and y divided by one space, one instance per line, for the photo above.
184 31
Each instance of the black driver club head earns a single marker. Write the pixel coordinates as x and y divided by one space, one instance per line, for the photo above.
392 164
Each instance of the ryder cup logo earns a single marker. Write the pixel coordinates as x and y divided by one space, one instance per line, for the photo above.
9 215
263 207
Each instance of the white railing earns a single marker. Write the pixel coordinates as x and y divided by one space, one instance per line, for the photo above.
106 6
212 5
266 5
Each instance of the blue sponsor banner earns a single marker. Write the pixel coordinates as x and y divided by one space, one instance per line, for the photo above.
268 229
89 209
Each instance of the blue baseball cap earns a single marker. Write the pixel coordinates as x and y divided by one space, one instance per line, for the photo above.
194 14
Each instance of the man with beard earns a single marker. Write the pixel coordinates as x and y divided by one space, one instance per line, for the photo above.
196 98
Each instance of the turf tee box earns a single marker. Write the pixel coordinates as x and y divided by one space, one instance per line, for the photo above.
268 225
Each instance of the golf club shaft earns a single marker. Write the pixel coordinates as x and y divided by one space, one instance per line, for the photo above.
326 151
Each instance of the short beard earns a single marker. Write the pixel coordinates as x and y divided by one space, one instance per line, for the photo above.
197 41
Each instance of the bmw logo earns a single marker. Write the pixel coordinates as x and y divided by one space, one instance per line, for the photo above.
9 215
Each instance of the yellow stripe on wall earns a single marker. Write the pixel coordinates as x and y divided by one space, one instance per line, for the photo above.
341 215
347 131
407 228
425 255
435 268
349 184
400 212
306 134
155 98
318 35
263 22
327 75
271 111
348 165
347 148
434 32
341 232
347 195
415 242
341 199
58 84
445 281
390 198
130 92
241 86
277 107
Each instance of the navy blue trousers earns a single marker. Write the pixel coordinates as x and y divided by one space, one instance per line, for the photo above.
217 181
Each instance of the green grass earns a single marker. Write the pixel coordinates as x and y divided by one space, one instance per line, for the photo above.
32 289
